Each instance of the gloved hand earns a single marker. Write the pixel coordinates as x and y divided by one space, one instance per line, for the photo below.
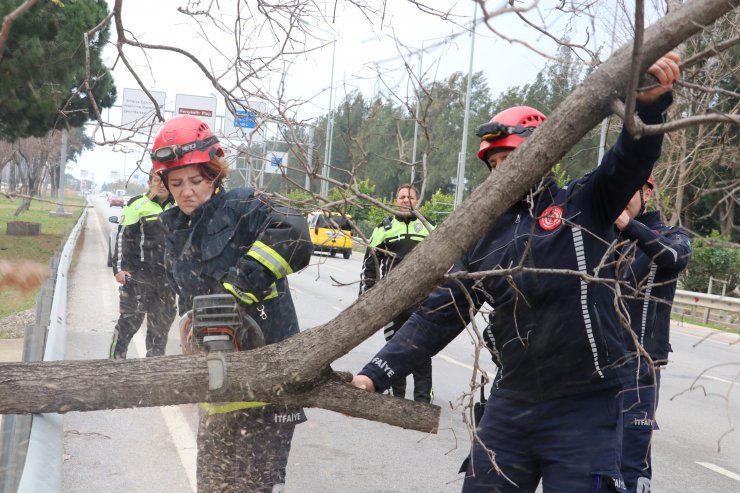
243 296
248 282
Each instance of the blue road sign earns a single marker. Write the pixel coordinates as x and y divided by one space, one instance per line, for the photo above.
245 119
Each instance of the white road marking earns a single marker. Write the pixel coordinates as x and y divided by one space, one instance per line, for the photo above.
454 362
331 266
182 436
303 293
184 441
720 470
710 377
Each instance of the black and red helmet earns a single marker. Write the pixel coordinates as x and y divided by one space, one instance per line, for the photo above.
508 129
181 141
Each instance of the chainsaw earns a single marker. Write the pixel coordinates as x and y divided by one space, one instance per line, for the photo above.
217 322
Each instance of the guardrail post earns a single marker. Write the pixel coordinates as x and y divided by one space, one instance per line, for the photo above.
13 447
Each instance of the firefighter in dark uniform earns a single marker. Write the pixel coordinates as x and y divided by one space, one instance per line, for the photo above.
554 414
138 265
655 257
390 243
240 243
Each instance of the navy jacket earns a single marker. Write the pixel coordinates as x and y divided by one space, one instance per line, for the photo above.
212 243
556 334
660 254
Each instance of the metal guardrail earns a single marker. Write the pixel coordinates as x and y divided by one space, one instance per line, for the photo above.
31 446
702 305
712 301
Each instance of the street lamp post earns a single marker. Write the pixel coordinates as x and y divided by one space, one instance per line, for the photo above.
460 186
324 189
418 107
605 121
62 171
416 116
329 126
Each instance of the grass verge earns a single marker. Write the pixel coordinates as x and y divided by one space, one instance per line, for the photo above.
708 325
41 248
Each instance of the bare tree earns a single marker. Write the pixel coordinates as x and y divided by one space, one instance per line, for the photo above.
298 367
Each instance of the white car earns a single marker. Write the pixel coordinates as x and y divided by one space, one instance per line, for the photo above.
112 234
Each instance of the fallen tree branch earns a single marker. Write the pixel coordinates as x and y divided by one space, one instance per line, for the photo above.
56 386
294 370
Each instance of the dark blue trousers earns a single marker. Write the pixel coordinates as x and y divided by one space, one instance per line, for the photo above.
571 444
640 403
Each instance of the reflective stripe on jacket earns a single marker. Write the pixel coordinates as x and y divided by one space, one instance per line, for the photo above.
237 233
661 253
397 235
556 334
140 239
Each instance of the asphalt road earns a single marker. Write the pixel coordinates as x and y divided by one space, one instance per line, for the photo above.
153 450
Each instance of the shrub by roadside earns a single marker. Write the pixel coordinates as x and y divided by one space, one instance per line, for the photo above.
711 258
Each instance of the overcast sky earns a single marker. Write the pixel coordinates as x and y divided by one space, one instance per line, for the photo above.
360 47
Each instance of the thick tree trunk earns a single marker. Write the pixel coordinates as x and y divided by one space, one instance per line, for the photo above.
169 380
294 370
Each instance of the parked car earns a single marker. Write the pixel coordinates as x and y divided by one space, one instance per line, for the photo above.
330 233
116 201
112 235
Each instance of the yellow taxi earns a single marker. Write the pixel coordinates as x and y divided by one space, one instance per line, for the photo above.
330 232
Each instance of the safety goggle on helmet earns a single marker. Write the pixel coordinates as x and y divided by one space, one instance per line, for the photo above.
181 141
508 129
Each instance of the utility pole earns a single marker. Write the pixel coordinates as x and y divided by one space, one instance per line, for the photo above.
309 158
416 117
329 127
62 171
605 121
460 186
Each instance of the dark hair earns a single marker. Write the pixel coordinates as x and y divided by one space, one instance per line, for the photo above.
410 187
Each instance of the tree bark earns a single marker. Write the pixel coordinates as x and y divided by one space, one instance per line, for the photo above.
295 370
88 385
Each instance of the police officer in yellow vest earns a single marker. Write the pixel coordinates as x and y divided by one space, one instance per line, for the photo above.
138 265
390 243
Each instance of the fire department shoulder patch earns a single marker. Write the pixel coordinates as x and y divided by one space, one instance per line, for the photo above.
551 218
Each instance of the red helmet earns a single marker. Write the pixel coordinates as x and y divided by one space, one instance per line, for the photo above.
508 129
650 182
183 140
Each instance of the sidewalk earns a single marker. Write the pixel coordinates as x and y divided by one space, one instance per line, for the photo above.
11 350
704 332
